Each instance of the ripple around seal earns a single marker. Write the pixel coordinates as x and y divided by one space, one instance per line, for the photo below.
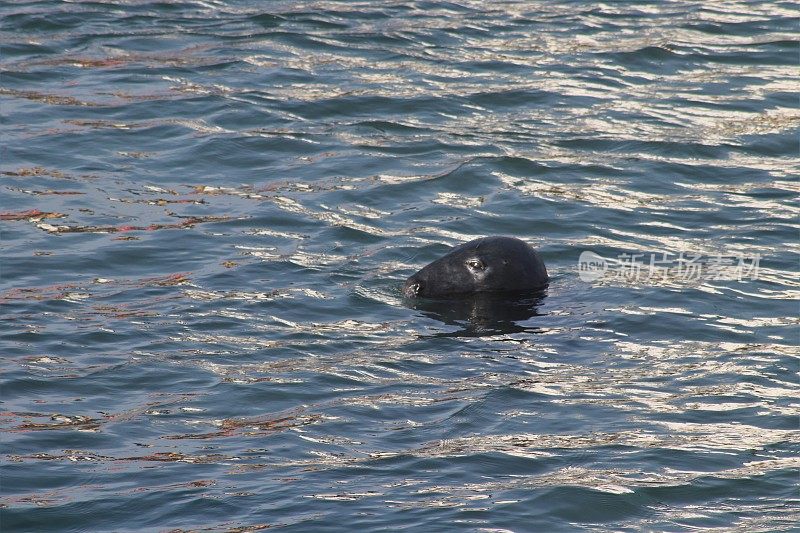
209 210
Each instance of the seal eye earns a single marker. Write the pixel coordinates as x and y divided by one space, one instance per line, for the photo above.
475 264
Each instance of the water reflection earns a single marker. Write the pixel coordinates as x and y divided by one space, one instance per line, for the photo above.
264 360
483 314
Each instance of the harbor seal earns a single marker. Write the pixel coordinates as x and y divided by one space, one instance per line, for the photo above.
489 264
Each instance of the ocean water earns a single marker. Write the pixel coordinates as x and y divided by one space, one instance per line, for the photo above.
208 209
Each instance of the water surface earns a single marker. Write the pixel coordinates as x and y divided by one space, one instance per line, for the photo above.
209 208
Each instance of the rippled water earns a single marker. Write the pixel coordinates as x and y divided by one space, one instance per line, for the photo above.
209 208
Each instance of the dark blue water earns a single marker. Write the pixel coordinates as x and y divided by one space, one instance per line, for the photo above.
209 208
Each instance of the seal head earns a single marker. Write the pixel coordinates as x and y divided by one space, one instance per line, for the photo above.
490 264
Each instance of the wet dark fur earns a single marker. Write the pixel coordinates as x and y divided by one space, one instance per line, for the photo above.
490 264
